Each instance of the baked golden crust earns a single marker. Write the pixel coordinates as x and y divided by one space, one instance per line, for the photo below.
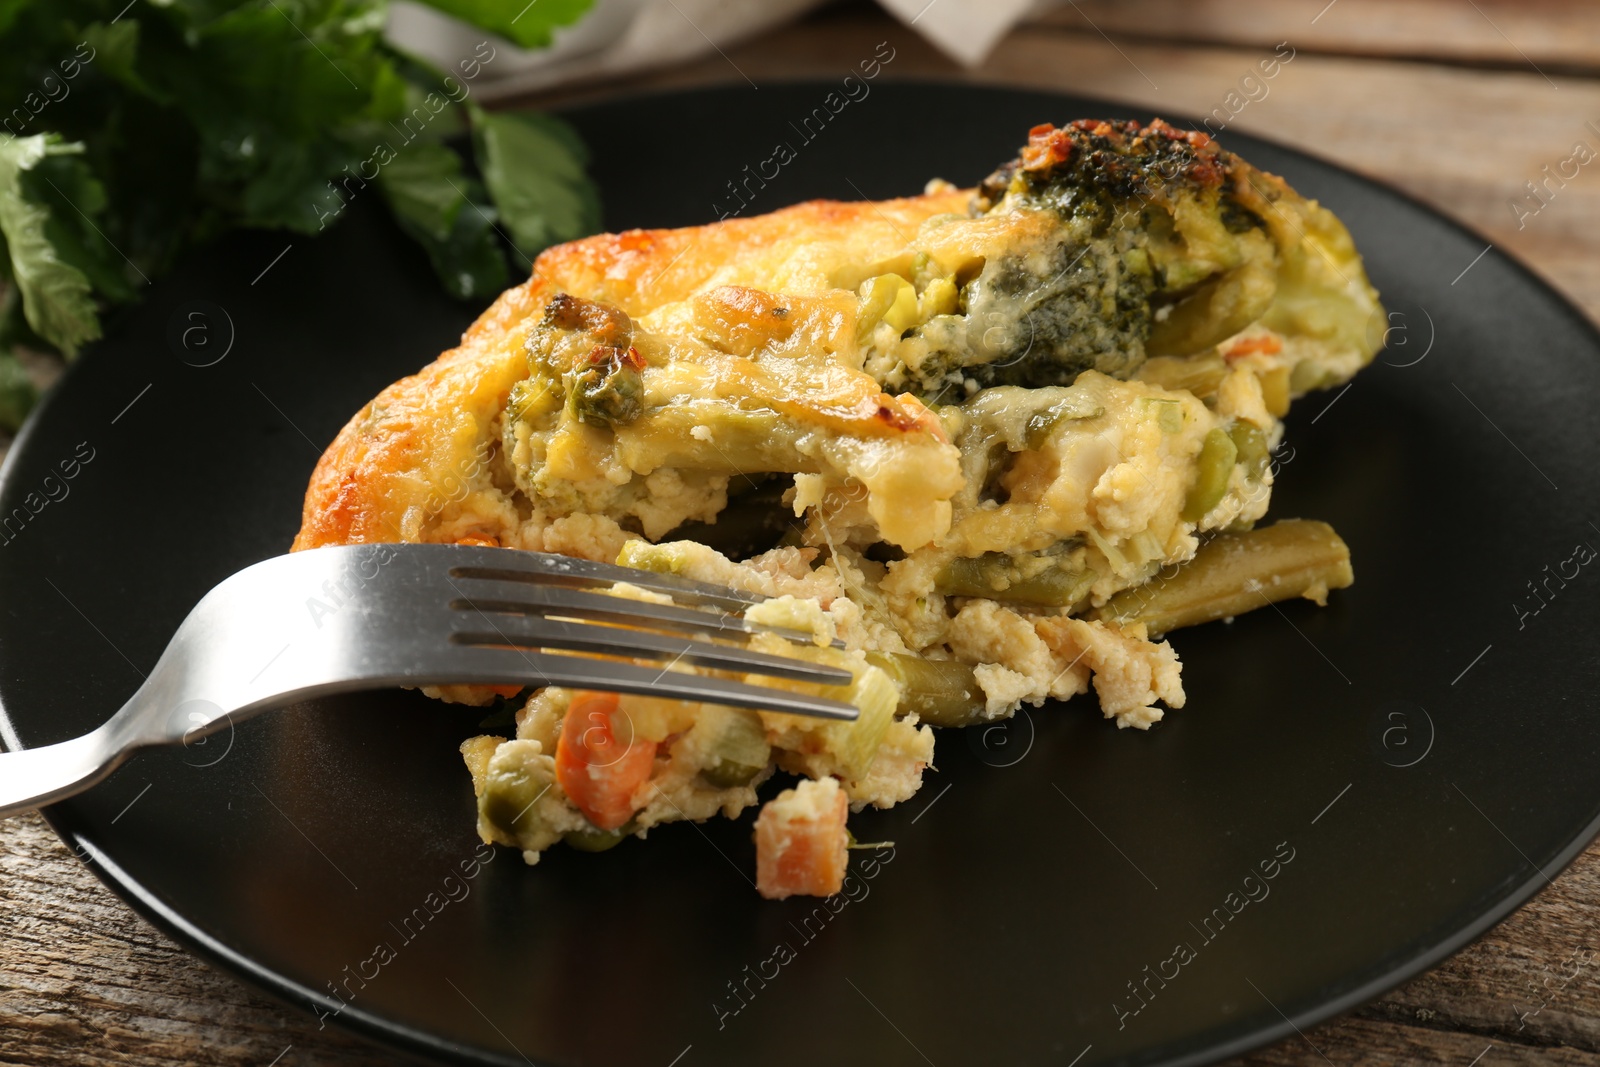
791 250
997 430
403 457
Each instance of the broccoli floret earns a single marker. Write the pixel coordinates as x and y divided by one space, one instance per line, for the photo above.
1166 245
607 389
581 351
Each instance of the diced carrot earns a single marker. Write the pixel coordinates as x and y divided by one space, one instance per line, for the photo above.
1266 343
599 763
801 845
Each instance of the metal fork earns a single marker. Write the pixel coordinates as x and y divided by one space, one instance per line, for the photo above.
353 617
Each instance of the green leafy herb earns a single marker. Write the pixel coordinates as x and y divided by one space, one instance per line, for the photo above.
443 210
527 24
55 294
131 133
533 167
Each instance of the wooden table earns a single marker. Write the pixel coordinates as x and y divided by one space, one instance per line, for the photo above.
1459 102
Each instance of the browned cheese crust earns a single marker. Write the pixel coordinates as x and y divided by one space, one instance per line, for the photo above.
400 459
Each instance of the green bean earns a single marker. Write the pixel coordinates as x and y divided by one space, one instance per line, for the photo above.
1200 375
997 576
942 692
984 576
1237 572
1219 308
1212 471
1023 418
739 441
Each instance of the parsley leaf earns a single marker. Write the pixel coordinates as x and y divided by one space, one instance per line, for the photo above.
135 132
533 166
524 22
56 296
443 211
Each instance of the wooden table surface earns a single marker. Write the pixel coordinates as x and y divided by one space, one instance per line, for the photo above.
1460 102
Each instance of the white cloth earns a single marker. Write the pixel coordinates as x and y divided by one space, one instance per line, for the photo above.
628 36
965 30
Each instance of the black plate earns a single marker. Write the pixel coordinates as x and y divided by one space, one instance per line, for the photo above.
1408 764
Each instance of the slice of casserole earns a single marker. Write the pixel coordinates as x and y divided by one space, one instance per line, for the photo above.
995 440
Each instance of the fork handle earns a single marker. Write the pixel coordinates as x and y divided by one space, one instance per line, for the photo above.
33 777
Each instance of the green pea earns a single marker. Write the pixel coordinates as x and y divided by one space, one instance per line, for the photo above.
736 741
511 791
591 839
729 774
1251 442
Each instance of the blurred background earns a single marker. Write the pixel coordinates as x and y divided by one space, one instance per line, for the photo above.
1479 107
137 130
1488 110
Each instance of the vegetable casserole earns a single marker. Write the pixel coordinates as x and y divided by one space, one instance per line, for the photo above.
996 441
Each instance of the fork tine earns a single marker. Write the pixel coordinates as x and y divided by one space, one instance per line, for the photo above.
545 568
524 598
548 568
507 569
502 666
534 632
